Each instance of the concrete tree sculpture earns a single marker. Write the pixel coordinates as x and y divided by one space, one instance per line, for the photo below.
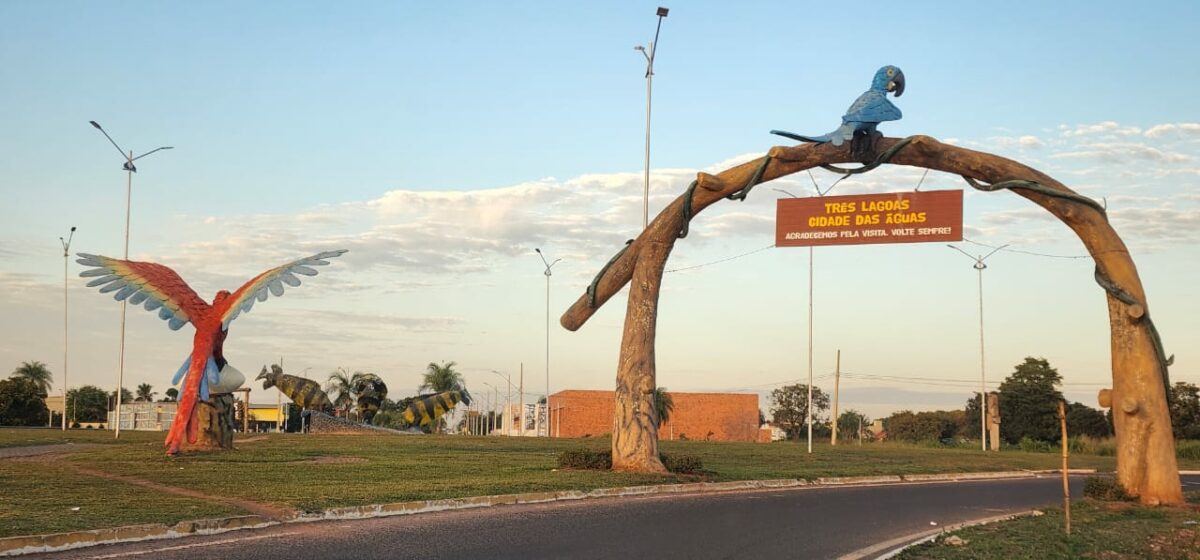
1146 464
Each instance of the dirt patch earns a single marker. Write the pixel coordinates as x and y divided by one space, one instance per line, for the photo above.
34 450
270 511
333 460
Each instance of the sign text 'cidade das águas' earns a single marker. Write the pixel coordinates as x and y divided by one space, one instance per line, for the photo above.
907 217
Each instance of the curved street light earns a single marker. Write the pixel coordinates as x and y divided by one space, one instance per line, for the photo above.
547 272
130 169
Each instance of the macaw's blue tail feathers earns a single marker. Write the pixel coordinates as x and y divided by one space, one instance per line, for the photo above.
800 137
187 363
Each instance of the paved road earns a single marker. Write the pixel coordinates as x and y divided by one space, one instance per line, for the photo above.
800 523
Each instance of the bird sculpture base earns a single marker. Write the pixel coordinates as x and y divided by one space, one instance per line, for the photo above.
214 424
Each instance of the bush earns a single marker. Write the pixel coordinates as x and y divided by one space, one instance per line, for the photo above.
602 460
1187 449
682 464
1031 445
595 460
1105 489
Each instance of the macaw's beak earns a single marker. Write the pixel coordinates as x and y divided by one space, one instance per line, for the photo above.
897 83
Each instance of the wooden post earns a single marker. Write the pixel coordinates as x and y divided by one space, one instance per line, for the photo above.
837 379
1062 420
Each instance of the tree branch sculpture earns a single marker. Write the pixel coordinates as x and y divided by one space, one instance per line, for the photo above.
1146 464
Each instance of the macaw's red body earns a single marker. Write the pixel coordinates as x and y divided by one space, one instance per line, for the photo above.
161 288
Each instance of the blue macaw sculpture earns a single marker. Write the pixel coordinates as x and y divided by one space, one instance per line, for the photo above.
870 109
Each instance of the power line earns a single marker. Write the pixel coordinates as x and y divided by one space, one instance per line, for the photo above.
1036 254
726 259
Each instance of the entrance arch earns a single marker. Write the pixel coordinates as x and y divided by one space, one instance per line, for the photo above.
1146 464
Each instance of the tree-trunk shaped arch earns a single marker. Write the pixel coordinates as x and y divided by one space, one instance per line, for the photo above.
1146 464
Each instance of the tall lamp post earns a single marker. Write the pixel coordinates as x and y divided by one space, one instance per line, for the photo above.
979 266
808 414
130 169
549 265
66 247
662 13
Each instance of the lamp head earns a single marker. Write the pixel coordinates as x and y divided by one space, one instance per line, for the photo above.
662 12
72 229
95 124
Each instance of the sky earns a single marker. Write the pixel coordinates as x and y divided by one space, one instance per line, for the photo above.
441 143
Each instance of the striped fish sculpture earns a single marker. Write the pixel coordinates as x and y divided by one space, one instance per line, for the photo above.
370 391
426 409
160 289
306 393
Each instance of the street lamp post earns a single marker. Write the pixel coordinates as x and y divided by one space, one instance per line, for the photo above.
662 13
808 413
130 169
66 247
979 266
549 265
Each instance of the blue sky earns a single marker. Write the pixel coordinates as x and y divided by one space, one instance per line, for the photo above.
441 143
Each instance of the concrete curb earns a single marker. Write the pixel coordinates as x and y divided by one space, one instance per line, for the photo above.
13 546
892 548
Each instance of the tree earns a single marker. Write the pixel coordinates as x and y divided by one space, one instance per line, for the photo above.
340 388
849 422
36 372
172 394
664 404
145 392
440 378
22 403
1029 402
1184 404
923 426
789 407
126 398
1083 420
88 403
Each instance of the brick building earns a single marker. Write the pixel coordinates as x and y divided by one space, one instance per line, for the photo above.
697 416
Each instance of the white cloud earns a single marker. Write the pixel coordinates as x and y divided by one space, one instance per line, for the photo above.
1106 128
1122 152
1169 129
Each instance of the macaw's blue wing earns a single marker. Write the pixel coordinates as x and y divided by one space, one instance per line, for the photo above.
872 107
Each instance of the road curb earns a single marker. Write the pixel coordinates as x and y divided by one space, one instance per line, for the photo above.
891 548
14 546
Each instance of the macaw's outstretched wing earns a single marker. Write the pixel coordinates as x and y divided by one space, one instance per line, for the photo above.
872 107
151 285
426 409
271 282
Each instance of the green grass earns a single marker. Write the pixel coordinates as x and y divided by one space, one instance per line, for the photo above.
19 437
38 497
354 470
1112 531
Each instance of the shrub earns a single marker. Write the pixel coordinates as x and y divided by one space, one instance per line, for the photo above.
1031 445
1188 449
1105 489
682 464
602 460
595 460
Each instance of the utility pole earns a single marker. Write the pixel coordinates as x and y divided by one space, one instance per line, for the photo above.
521 398
1062 419
661 13
837 379
549 265
979 266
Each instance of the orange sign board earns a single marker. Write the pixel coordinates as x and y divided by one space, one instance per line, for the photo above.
903 217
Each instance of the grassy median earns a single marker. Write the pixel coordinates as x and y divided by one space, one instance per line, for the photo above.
313 472
1104 530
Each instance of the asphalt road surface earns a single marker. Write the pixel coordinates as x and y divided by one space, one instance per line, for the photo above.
795 523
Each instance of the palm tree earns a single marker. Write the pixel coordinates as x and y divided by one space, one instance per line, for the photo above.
145 392
664 404
440 378
340 388
172 394
38 373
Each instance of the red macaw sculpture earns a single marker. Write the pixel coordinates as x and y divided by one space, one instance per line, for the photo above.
161 288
